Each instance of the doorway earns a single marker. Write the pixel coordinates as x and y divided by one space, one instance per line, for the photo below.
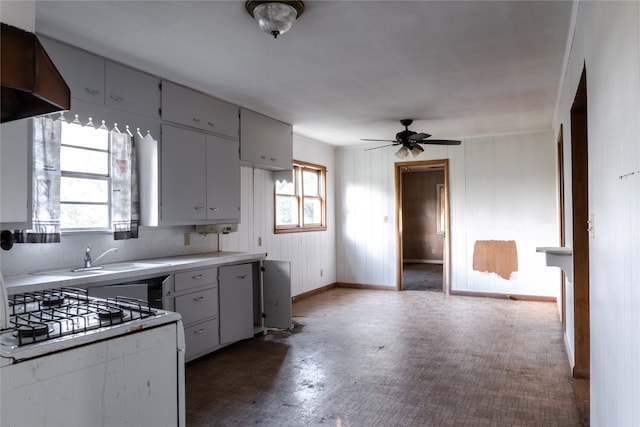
580 214
422 212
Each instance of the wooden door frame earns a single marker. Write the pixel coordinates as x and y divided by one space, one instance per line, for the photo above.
562 225
446 267
580 199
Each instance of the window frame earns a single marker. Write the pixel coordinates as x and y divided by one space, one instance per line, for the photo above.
298 168
90 176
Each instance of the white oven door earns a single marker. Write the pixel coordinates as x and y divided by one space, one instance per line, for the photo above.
130 380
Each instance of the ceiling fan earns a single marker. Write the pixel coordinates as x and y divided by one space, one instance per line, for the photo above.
411 140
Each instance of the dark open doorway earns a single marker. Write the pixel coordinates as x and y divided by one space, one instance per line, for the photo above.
422 202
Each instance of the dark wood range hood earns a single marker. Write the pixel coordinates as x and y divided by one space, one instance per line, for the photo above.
31 83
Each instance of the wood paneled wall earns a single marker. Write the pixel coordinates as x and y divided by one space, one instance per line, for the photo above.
501 188
606 40
312 254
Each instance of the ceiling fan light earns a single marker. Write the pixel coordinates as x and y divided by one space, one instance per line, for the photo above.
416 150
402 153
275 17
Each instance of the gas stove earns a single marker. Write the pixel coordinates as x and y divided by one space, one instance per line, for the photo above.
48 321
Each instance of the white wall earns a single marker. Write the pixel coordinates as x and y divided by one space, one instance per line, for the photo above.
501 188
308 252
607 41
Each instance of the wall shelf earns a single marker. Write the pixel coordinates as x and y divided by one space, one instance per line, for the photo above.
559 257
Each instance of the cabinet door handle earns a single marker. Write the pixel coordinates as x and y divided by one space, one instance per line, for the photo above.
91 91
196 277
211 124
116 98
263 157
198 208
198 332
197 120
214 209
242 277
198 299
273 159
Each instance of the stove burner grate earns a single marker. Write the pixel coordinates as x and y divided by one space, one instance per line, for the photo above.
55 299
31 333
110 315
41 316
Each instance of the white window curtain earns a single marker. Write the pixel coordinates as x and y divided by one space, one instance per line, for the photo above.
125 200
46 184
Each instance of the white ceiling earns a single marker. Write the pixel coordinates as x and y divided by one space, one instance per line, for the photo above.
347 69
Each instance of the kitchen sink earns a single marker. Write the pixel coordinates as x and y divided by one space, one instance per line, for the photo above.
71 273
103 269
126 266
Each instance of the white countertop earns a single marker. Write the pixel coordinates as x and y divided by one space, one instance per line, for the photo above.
161 266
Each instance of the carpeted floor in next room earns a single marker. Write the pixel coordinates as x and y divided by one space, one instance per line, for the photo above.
422 277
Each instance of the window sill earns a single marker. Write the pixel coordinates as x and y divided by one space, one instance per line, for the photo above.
298 229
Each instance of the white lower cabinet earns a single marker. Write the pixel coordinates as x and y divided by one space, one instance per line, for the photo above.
195 297
236 302
201 339
224 304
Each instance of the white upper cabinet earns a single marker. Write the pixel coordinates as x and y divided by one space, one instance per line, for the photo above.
265 142
195 109
183 176
15 175
104 82
200 178
132 90
223 180
82 71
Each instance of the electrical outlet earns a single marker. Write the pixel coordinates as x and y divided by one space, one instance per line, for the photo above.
385 219
321 272
187 239
433 250
259 241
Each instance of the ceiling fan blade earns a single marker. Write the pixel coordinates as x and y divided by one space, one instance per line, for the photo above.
419 136
382 146
377 140
441 142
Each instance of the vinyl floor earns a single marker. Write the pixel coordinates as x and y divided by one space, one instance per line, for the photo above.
385 358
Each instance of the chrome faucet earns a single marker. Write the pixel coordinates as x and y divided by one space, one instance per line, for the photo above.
87 256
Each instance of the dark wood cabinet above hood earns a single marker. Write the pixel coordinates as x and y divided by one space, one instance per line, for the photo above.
31 84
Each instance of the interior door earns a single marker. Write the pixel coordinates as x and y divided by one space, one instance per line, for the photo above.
276 294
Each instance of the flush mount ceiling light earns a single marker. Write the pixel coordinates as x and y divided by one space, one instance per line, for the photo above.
275 17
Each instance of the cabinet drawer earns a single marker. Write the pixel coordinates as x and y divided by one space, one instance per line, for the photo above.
196 278
197 305
200 338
